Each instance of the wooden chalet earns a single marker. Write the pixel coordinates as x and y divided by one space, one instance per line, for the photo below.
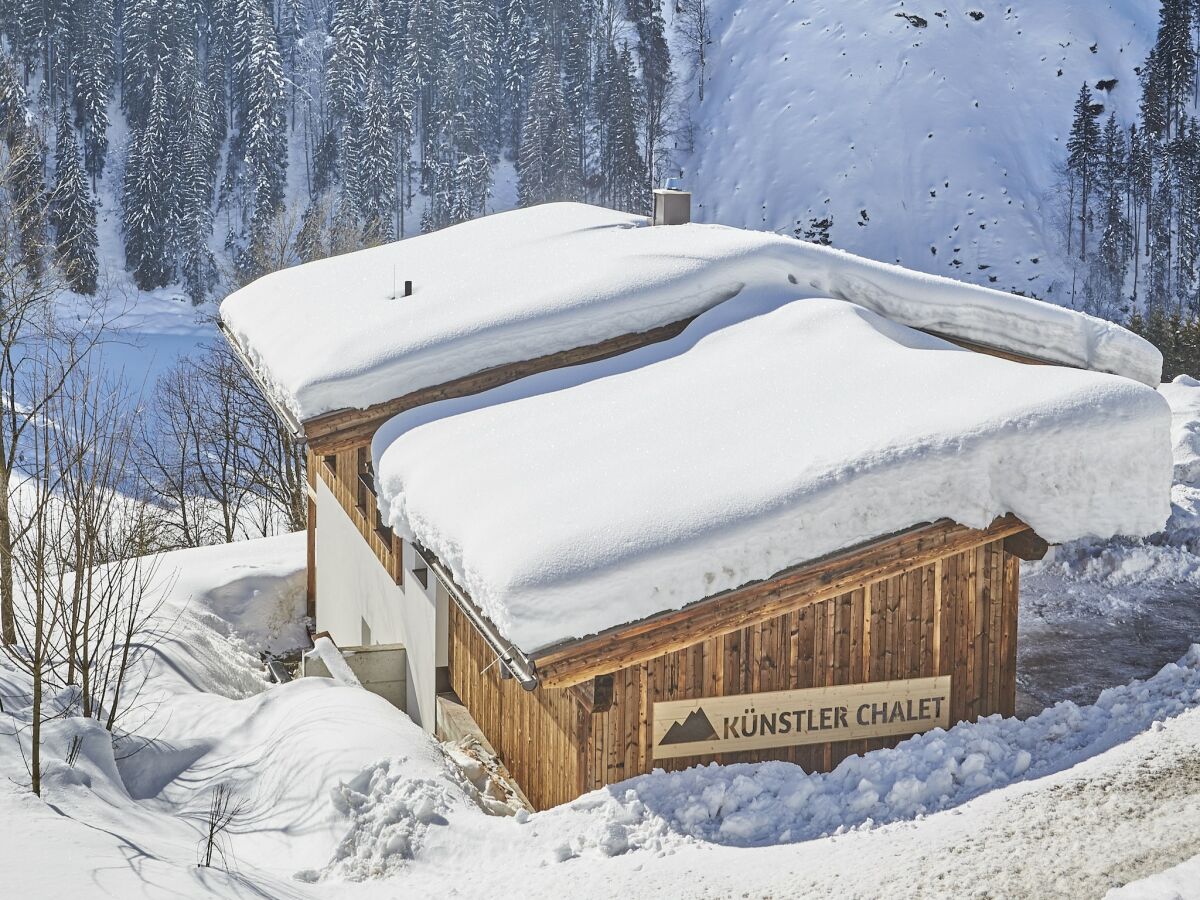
835 656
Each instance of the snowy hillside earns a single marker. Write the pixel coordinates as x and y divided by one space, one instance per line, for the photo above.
935 146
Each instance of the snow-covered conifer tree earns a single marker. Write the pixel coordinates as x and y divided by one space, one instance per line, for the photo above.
72 212
546 164
1083 149
148 210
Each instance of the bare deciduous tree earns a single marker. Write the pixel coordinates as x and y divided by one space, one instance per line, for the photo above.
217 457
223 811
695 28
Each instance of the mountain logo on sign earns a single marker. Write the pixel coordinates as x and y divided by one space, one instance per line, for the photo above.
695 727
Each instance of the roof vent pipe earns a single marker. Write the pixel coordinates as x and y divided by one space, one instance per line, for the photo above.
672 204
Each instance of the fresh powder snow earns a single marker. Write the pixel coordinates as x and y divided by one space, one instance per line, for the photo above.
340 334
765 443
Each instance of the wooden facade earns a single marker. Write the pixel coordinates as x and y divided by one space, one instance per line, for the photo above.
940 599
347 474
954 614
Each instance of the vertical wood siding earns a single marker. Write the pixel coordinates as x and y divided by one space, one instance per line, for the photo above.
956 616
339 471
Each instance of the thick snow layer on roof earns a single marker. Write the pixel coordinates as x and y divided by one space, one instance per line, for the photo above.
760 445
1184 396
333 334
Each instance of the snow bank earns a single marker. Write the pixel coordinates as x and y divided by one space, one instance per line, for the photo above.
776 802
339 670
1181 882
1183 394
333 334
390 808
763 444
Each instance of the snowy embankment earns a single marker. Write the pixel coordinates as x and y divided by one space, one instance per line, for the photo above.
342 791
808 104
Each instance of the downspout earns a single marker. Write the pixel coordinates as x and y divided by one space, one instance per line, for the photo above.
520 666
283 413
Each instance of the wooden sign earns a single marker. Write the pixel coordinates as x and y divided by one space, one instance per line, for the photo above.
810 716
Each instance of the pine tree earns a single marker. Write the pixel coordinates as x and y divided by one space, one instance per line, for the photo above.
72 212
404 108
1152 105
1175 60
1161 216
192 146
1185 161
1083 150
148 210
1140 181
377 164
264 127
517 55
656 76
1107 277
346 70
153 31
23 176
93 63
623 167
546 164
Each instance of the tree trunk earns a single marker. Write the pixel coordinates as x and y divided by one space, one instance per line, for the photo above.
8 627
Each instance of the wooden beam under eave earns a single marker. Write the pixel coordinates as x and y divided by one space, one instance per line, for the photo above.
792 589
1027 545
345 429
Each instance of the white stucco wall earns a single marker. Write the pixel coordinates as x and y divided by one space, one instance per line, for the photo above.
353 589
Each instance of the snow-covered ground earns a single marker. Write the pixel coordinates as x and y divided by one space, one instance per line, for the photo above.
935 146
344 798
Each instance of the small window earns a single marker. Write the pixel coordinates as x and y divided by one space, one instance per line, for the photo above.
421 573
330 464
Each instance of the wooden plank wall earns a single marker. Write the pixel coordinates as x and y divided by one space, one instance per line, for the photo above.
339 471
539 734
955 616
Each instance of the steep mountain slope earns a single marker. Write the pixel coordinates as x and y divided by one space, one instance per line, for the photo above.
935 145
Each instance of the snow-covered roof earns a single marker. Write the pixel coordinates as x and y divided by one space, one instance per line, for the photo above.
1183 394
333 334
582 499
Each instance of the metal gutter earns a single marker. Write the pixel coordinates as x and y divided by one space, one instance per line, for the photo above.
520 666
282 412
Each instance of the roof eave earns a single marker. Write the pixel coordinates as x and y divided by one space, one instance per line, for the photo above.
285 415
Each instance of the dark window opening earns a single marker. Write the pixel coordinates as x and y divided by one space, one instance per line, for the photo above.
421 573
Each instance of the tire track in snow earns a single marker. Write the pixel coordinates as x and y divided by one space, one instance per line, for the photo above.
1076 839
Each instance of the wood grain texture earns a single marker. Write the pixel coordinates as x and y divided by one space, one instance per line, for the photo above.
346 429
761 600
339 472
919 623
